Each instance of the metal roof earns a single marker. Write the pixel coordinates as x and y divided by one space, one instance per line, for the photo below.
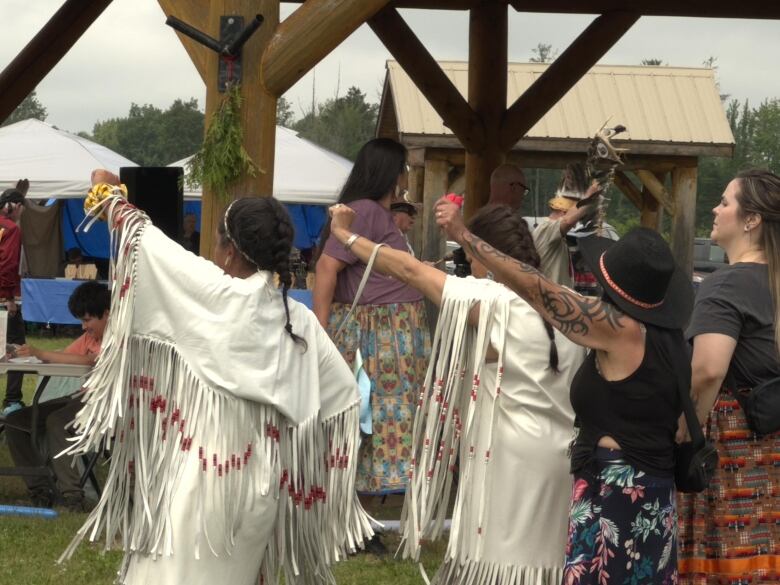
667 110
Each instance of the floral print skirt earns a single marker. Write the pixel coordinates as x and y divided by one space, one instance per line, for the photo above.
622 526
395 345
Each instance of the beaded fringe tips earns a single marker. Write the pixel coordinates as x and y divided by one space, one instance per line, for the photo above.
446 432
145 405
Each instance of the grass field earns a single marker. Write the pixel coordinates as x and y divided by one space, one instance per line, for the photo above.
29 547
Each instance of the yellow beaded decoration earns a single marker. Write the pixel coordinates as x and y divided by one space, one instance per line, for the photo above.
102 191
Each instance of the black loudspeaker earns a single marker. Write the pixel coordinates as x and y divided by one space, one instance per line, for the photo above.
158 191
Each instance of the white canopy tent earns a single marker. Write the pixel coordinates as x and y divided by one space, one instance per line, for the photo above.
303 172
57 163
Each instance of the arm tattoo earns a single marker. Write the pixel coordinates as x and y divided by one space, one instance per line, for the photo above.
571 313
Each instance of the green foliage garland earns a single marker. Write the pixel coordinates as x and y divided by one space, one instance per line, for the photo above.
222 159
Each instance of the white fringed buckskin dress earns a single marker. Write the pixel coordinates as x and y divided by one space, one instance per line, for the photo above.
506 425
233 449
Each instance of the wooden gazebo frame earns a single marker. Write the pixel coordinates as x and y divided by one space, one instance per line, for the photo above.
280 53
674 115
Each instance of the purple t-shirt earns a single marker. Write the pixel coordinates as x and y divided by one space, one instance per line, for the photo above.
375 223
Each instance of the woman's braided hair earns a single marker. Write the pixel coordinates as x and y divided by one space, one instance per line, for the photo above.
261 231
504 229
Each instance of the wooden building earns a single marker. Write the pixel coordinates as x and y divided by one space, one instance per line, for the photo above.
673 115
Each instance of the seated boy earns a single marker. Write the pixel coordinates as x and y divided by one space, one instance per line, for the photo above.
90 303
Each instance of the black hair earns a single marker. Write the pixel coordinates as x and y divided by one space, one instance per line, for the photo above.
90 298
378 165
375 173
261 230
8 197
504 229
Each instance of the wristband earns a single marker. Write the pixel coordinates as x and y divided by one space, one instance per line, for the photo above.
350 241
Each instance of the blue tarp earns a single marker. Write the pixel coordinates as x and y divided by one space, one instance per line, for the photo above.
308 221
46 300
93 243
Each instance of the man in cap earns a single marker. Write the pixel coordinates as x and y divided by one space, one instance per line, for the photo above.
404 215
550 234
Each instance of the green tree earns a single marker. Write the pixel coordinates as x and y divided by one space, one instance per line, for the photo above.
150 136
543 53
31 107
284 113
652 62
342 124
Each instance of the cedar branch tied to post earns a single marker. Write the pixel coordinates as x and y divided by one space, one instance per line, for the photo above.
222 159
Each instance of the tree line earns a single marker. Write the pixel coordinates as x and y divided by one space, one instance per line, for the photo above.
153 136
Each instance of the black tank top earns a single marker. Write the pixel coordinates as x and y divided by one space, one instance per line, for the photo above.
640 412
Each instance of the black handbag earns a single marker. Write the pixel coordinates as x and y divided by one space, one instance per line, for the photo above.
760 404
695 460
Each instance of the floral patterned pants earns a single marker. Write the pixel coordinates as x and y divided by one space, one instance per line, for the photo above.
622 526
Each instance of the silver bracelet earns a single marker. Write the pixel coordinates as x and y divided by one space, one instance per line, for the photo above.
350 241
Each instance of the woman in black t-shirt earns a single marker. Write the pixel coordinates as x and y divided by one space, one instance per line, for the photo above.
622 520
730 532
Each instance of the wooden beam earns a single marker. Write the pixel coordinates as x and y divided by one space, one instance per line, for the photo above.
44 51
196 14
429 78
656 189
564 73
628 189
580 145
684 220
488 28
696 8
546 160
308 35
425 4
650 211
258 111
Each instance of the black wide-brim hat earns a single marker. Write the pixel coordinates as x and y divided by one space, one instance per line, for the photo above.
641 277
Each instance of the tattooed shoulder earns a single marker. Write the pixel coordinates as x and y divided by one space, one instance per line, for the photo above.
574 314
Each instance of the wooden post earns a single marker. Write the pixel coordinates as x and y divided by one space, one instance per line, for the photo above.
45 50
684 219
258 113
434 244
487 96
436 180
416 190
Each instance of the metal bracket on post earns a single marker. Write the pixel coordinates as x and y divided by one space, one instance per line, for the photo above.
232 37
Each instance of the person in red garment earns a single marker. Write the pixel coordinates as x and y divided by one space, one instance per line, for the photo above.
11 209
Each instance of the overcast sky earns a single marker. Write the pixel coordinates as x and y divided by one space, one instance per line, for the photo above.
129 55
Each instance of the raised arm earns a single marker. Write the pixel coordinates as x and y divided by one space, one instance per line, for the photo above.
576 213
400 265
586 321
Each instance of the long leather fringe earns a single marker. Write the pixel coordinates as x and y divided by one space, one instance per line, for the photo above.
144 404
